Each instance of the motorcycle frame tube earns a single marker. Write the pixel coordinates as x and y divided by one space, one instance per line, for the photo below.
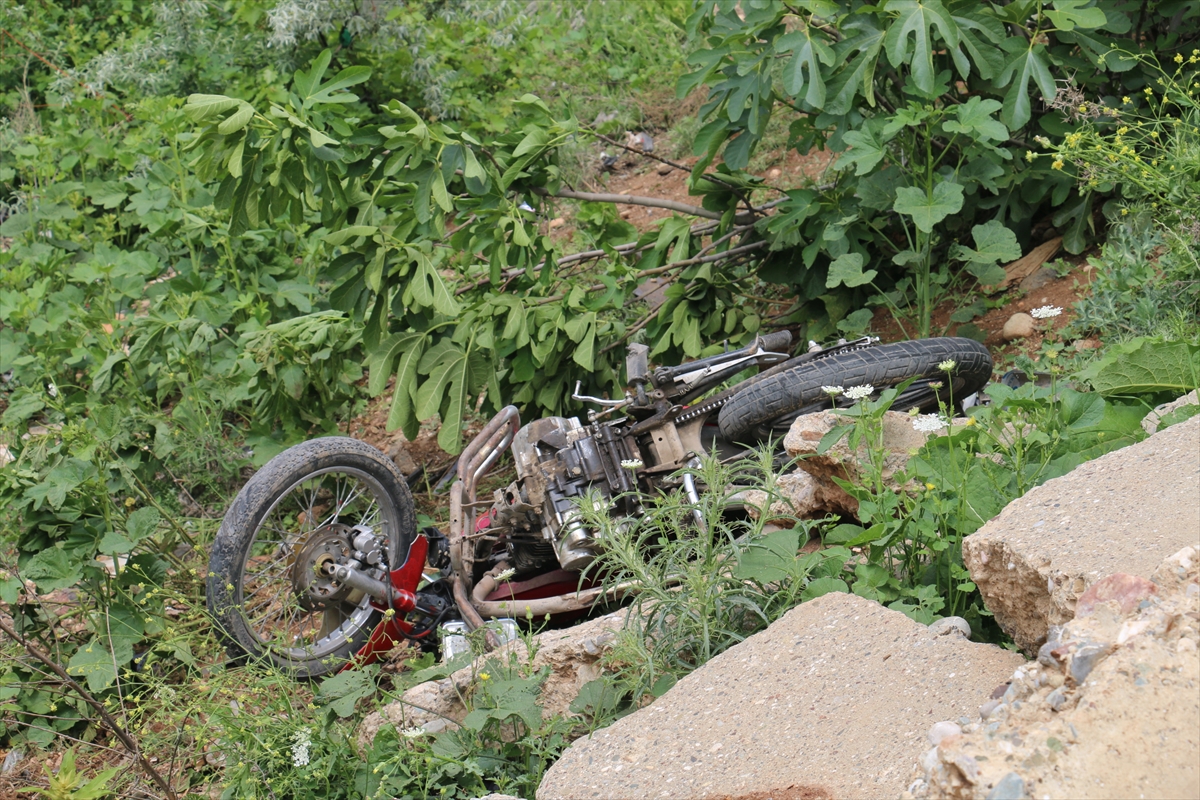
517 608
483 451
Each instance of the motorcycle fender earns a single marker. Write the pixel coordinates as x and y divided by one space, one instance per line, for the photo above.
393 628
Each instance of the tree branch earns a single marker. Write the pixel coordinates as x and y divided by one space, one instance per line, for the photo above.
115 726
640 200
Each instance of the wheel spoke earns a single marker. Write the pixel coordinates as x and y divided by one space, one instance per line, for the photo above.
308 522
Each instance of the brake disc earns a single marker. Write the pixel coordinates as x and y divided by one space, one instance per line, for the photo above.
313 585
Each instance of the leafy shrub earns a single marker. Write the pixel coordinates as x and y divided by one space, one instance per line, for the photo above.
960 479
931 103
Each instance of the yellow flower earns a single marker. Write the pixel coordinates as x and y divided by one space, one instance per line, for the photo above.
970 421
483 676
1121 131
1148 91
130 502
1126 100
1058 163
1178 58
1124 212
1030 156
1083 108
930 486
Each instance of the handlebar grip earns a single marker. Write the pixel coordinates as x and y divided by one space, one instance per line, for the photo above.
778 341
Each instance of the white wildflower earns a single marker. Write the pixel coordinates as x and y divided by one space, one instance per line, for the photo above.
506 575
6 456
633 463
832 391
935 385
414 732
859 392
1045 312
300 744
948 365
928 423
51 390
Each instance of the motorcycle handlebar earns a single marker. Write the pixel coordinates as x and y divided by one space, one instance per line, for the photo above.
780 340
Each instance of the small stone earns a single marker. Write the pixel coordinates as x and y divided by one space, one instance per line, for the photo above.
1039 279
1018 326
951 626
11 760
1122 588
1057 699
941 730
664 169
929 760
774 173
1085 660
1045 654
967 767
557 222
1010 787
1185 646
988 708
1087 344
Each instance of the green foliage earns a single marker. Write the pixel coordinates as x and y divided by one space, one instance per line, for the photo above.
68 784
929 104
707 585
959 480
1145 367
1146 145
1146 284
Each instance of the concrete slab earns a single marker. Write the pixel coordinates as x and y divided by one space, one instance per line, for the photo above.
832 701
1123 512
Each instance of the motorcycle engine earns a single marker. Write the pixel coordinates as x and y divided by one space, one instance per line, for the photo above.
559 461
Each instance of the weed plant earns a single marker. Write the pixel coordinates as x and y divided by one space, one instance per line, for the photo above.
708 576
1145 147
911 529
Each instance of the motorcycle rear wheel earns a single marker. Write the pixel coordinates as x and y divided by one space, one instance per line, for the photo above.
304 503
789 391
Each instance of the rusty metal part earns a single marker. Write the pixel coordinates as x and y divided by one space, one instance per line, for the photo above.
470 615
311 564
481 453
519 609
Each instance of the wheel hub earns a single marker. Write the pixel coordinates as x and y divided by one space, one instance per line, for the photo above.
312 567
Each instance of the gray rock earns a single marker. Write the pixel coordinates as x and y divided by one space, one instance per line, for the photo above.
951 626
1057 699
941 730
1151 421
1018 326
1123 512
1085 658
1035 281
11 760
572 656
833 700
1010 787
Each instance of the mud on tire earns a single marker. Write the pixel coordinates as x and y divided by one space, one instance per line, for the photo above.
321 485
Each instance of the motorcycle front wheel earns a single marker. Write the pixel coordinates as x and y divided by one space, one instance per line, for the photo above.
786 393
266 590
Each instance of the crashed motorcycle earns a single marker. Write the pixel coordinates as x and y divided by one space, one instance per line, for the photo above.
318 565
